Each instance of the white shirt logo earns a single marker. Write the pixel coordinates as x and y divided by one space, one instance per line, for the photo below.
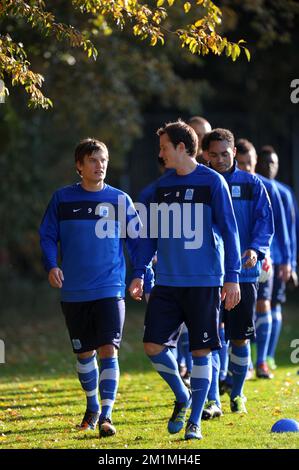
205 340
236 191
189 194
104 211
76 344
76 210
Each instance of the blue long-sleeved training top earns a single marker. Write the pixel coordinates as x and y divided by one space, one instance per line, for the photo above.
296 209
254 216
196 235
290 213
91 241
280 247
149 276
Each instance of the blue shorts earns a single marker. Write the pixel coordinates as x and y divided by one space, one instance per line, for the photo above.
279 288
169 307
239 322
265 290
95 323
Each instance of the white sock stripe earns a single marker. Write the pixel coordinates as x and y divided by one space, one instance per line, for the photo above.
107 402
276 316
261 319
86 368
109 374
91 393
161 368
202 372
239 361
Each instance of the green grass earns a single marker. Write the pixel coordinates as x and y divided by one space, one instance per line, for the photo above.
41 400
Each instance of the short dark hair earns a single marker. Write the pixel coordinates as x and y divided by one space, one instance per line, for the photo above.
178 132
266 150
87 147
217 135
244 146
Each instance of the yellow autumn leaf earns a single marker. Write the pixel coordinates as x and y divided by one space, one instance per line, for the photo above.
199 23
187 7
247 54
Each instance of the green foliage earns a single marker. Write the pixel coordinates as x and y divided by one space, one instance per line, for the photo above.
106 99
199 37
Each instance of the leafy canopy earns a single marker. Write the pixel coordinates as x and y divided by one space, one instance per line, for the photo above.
146 22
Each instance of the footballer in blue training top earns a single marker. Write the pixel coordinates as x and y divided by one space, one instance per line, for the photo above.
192 227
280 255
285 264
254 217
89 221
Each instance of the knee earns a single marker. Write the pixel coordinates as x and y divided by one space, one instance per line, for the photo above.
239 342
85 355
200 352
263 306
152 349
107 351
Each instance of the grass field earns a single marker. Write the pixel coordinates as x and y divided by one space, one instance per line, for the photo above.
41 400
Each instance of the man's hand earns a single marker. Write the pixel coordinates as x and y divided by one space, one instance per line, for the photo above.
231 294
251 256
136 289
56 278
293 281
284 272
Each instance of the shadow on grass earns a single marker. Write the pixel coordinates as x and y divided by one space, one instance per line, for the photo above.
39 417
40 394
40 430
40 405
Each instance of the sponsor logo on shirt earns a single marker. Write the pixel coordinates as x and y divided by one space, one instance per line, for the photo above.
236 191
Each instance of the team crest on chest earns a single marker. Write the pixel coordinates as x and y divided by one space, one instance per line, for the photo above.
104 211
189 194
236 191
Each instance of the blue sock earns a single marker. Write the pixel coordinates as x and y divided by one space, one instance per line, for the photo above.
275 331
109 378
263 331
184 340
166 365
223 354
88 373
239 361
214 387
201 376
